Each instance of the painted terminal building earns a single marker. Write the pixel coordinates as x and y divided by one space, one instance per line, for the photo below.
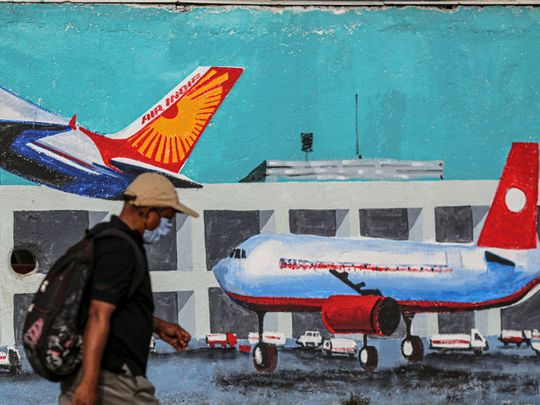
42 223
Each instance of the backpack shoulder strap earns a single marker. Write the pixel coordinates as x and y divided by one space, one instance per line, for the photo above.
139 257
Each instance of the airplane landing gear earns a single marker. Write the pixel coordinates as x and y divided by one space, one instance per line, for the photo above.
412 347
368 356
265 355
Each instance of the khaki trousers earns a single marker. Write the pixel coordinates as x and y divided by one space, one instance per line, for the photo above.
113 389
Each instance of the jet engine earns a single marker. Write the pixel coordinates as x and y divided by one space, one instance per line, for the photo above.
368 314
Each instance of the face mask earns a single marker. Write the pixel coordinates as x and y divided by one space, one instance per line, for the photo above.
163 229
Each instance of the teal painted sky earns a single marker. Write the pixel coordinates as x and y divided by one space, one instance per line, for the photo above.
458 86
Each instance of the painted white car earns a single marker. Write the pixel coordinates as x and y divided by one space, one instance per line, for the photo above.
276 338
340 346
459 342
310 338
10 359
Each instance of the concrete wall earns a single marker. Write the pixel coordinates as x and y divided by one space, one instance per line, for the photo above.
189 293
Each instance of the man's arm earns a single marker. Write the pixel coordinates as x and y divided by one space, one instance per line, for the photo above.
95 337
172 333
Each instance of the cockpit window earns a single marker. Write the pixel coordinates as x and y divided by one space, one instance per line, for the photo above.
238 254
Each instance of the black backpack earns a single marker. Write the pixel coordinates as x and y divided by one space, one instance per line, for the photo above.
52 333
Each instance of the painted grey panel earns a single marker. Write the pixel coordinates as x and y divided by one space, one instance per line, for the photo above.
166 306
162 254
21 302
454 224
459 322
95 217
303 321
186 311
226 316
387 223
224 230
313 222
48 234
522 316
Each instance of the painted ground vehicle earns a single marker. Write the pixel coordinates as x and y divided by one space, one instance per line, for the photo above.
10 359
517 337
340 346
310 338
221 339
459 342
276 338
153 348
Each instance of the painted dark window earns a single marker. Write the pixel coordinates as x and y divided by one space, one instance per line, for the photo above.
226 316
459 322
166 306
522 316
162 254
387 223
21 302
225 230
48 234
303 321
454 224
313 222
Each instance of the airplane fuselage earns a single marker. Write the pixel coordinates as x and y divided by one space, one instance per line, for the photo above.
26 153
293 273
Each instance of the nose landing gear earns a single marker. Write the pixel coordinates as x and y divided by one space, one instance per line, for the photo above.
265 355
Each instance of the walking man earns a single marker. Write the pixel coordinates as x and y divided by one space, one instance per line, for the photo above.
120 320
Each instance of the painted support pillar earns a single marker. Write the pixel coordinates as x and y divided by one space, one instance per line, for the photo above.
353 220
7 278
201 297
281 222
488 321
426 324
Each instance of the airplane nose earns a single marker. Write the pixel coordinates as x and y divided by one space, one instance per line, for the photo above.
221 271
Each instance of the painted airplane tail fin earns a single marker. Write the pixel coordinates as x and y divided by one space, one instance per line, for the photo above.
166 134
512 219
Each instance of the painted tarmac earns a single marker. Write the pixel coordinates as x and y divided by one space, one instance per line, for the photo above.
216 376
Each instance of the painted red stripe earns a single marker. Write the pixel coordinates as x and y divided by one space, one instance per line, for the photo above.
450 342
288 304
513 339
64 155
301 264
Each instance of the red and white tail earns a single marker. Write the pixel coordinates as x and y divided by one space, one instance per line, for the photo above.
511 220
165 135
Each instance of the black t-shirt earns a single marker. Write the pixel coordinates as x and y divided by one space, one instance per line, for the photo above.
131 323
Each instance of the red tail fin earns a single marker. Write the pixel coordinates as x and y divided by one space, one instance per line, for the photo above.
165 135
511 221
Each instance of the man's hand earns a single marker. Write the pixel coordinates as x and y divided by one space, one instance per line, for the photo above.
172 333
85 394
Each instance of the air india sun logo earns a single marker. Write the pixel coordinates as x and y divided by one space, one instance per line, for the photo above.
170 137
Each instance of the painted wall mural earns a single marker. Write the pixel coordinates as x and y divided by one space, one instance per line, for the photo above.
46 148
361 291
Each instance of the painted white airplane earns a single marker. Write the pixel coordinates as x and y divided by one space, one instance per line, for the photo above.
365 285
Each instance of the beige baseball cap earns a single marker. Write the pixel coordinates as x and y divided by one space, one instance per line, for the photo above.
155 190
